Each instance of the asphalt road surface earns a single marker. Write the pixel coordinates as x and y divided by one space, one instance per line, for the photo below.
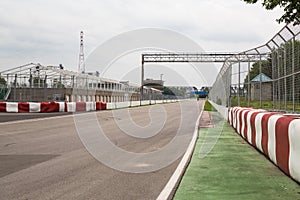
7 117
45 159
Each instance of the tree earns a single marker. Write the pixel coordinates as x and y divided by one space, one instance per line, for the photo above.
266 68
291 9
2 81
205 89
167 91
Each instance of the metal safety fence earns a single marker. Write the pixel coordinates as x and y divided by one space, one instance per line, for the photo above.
35 82
266 77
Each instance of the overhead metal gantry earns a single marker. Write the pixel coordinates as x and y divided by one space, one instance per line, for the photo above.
199 57
185 57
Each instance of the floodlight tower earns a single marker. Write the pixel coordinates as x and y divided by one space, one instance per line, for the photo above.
81 64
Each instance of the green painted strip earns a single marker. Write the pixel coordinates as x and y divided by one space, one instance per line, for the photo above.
233 170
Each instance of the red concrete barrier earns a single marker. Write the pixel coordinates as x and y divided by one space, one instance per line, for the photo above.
103 106
264 139
277 136
282 143
80 106
66 107
23 107
49 107
98 105
2 107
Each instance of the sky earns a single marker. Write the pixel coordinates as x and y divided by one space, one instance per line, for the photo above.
47 32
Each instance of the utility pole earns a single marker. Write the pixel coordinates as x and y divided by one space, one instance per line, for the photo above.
161 75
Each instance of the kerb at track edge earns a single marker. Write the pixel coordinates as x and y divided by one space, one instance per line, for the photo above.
170 188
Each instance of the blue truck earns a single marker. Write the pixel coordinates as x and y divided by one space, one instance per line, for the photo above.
200 94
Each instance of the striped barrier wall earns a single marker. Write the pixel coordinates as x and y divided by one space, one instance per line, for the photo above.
46 107
274 134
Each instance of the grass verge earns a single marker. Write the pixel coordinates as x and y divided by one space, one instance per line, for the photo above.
233 170
208 106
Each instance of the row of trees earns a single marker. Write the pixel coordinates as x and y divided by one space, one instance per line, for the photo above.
174 91
284 56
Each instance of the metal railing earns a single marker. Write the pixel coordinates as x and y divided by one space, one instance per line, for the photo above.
35 82
270 82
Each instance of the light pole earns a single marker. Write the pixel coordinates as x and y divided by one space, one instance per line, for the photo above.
161 75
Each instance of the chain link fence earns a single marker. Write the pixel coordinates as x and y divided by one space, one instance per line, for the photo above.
266 77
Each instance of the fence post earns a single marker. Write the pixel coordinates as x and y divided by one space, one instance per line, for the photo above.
45 88
239 83
15 87
260 82
142 81
230 84
249 85
293 71
30 85
278 80
284 72
273 76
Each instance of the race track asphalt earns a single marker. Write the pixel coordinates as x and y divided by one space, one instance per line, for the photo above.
44 158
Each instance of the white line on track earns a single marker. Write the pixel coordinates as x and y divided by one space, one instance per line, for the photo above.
174 180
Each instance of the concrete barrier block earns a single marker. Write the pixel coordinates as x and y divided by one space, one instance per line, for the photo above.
61 106
23 107
11 107
47 107
2 106
34 107
71 107
294 141
258 131
272 137
282 143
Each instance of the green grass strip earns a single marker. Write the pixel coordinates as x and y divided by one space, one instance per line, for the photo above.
208 106
233 170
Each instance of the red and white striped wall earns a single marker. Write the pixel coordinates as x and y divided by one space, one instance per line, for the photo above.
45 107
274 134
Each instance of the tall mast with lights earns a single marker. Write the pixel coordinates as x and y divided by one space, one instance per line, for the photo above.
81 64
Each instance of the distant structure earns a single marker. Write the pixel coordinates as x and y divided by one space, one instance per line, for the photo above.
265 82
81 64
35 82
157 84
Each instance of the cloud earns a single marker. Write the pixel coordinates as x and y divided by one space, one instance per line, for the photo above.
48 31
